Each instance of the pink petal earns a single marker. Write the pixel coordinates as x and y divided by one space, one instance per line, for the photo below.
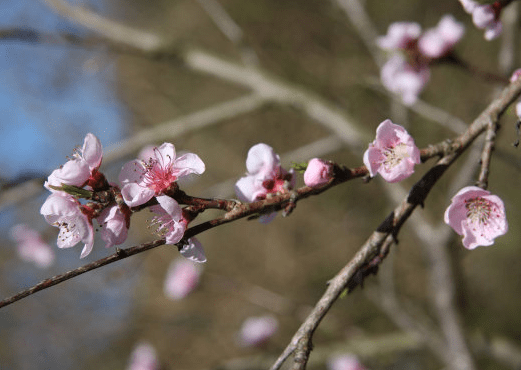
170 206
248 189
483 16
257 330
114 226
166 153
135 194
132 172
493 31
92 151
261 158
267 218
181 279
399 34
189 163
75 172
469 5
193 251
373 159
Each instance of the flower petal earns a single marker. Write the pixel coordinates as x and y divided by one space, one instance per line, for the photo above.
189 163
92 151
193 251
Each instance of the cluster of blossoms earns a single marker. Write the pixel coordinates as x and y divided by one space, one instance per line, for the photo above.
152 179
407 72
141 180
485 17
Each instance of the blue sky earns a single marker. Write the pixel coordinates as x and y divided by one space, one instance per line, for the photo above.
49 96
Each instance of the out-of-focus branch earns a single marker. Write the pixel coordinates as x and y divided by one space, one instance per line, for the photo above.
108 28
47 283
364 27
274 89
182 125
230 29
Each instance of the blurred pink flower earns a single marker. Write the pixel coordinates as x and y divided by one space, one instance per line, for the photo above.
515 75
485 17
143 180
439 41
400 77
65 212
344 362
318 172
181 279
477 215
143 357
79 169
256 331
392 154
114 226
400 35
31 247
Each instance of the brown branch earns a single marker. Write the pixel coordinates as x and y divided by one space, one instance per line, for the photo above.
47 283
486 154
301 344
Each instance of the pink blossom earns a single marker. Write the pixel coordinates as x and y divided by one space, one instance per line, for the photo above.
392 154
170 219
143 180
344 362
485 17
256 331
114 226
265 175
437 42
477 215
65 212
80 168
318 172
515 75
181 279
31 247
400 77
400 35
143 357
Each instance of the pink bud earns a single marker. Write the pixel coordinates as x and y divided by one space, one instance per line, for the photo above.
319 172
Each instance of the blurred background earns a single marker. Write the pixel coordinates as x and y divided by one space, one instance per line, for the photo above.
215 78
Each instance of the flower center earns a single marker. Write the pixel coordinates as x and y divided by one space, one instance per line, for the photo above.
394 155
159 174
478 210
277 185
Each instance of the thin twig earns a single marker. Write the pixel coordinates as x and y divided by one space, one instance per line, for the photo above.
230 29
108 28
300 344
47 283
